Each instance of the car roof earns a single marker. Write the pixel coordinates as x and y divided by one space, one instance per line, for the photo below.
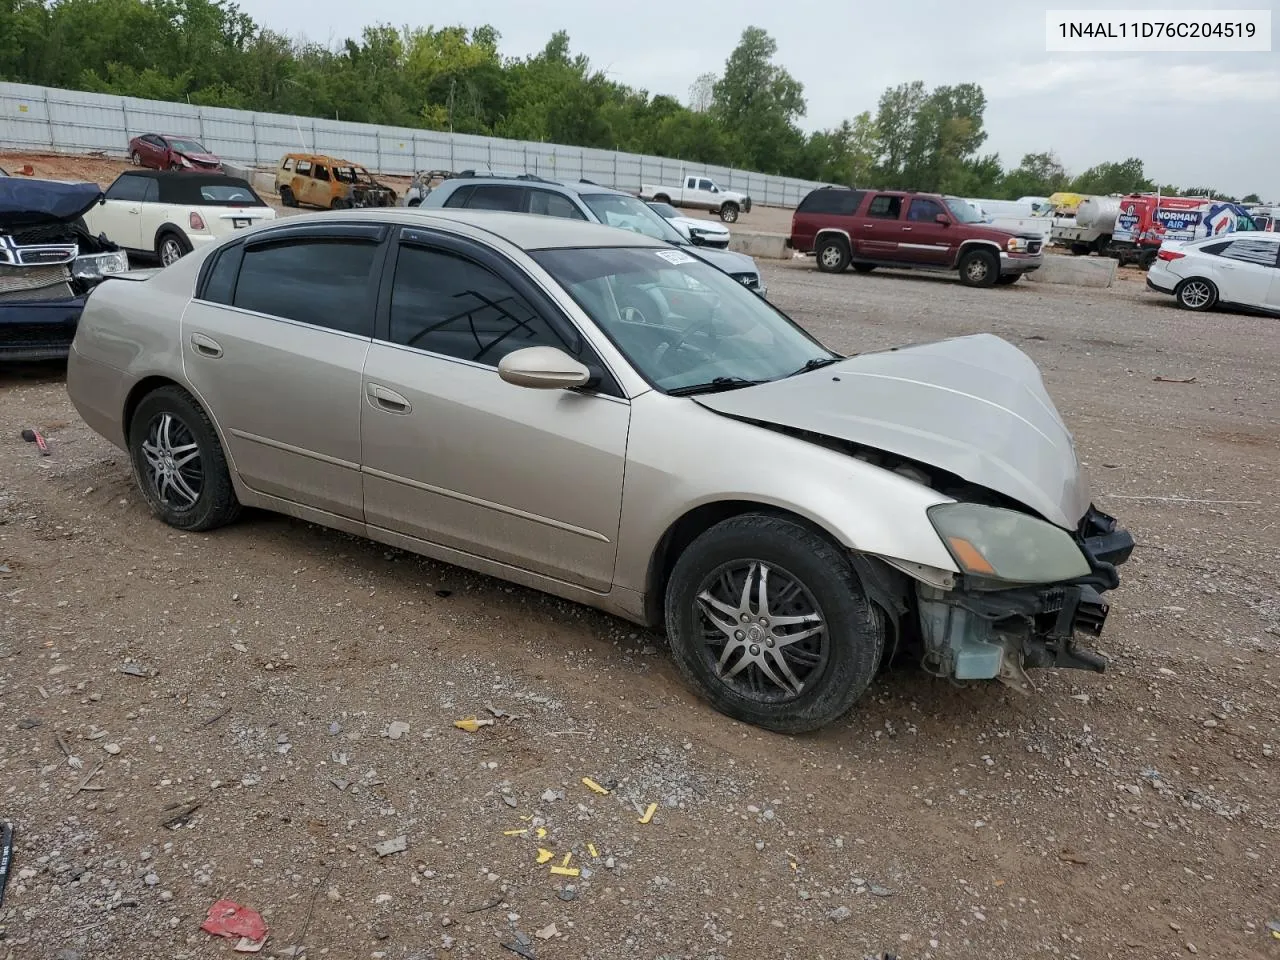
515 180
167 176
523 230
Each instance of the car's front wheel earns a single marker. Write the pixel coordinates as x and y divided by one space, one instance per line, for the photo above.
178 462
1196 293
1008 279
136 158
286 197
979 268
767 620
729 212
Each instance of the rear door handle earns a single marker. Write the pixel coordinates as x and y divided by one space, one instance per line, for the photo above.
387 400
906 229
206 346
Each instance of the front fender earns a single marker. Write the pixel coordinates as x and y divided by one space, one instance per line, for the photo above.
681 456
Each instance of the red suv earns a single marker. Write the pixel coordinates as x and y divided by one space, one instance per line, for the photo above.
894 228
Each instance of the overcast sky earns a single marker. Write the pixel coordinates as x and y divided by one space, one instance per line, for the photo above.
1194 119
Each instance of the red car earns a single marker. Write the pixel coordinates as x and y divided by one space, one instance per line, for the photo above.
866 229
163 151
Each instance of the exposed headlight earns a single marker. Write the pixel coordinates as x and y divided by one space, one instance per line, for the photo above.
1007 546
1017 245
95 266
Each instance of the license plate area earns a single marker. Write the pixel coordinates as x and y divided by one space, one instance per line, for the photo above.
239 223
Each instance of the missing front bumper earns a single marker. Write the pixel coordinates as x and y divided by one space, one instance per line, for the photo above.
972 634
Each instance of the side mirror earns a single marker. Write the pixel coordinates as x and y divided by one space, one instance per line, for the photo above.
543 368
943 219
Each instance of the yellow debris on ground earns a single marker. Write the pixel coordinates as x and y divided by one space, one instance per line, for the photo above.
515 833
544 855
648 813
566 871
591 849
471 724
593 786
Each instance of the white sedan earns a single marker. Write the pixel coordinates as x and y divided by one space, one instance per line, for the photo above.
701 233
1240 270
170 214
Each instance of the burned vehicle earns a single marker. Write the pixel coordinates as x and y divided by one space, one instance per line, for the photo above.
49 262
423 182
315 180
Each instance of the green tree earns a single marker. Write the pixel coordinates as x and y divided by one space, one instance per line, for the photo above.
1251 198
761 103
1126 176
1038 175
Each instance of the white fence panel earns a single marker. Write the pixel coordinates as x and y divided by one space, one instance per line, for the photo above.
72 121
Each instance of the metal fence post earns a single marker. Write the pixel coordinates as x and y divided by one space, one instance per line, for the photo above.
200 118
48 119
488 154
124 115
253 132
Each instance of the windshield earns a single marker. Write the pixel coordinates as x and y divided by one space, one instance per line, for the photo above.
188 146
664 210
683 325
962 210
628 213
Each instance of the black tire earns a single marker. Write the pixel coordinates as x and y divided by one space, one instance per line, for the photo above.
831 679
1008 279
729 212
338 204
1147 258
662 198
414 202
864 267
136 157
287 198
1196 293
215 504
979 268
1081 249
171 246
832 254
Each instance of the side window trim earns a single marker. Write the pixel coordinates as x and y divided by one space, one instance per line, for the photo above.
576 343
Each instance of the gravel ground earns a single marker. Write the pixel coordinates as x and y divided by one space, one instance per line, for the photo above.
300 686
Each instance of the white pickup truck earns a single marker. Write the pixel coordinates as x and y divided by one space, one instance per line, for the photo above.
702 193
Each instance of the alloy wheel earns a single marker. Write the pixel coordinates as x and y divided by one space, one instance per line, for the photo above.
977 269
174 469
763 633
831 256
170 251
1196 293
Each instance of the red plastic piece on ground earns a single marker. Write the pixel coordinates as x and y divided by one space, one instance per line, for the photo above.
228 919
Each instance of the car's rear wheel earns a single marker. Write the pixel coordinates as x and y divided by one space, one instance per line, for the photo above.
767 620
172 247
1008 279
287 198
1081 249
136 157
979 268
729 212
864 267
1196 293
832 254
338 204
662 198
178 462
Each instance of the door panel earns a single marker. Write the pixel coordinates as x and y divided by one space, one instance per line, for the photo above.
121 221
287 397
922 238
877 237
528 477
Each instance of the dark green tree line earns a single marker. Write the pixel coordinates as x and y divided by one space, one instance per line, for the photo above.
748 115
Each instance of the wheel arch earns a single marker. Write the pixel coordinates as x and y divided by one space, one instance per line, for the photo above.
143 388
829 231
888 589
166 228
969 245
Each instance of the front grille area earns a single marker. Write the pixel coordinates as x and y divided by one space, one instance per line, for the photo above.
56 291
18 335
25 279
749 280
1034 246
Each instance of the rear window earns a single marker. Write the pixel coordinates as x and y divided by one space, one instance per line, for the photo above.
841 202
885 205
207 191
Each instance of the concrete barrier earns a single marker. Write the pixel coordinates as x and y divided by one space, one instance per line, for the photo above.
1076 271
770 246
263 181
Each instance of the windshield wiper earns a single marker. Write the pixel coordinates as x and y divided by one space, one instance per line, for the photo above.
816 363
715 385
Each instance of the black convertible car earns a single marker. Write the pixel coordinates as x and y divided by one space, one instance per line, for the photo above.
48 264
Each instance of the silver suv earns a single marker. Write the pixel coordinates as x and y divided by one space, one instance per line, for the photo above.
583 201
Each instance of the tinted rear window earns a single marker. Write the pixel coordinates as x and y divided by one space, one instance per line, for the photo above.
207 190
843 202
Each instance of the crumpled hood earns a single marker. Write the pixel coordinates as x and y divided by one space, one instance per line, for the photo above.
208 159
31 203
974 406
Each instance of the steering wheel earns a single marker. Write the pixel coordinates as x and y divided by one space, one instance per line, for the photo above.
698 327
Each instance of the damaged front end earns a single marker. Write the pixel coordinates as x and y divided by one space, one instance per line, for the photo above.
985 625
48 264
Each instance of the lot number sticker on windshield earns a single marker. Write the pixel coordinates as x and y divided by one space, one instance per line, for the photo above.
675 257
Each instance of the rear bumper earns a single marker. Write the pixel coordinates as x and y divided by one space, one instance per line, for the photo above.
41 330
1154 284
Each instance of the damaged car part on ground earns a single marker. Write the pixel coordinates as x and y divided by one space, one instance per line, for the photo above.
475 387
49 262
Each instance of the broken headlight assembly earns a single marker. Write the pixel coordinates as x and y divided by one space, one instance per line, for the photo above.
996 547
95 266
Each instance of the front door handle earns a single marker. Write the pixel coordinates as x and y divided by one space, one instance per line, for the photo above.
906 229
206 346
387 400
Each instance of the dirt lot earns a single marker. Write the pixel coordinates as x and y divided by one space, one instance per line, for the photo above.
1132 814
